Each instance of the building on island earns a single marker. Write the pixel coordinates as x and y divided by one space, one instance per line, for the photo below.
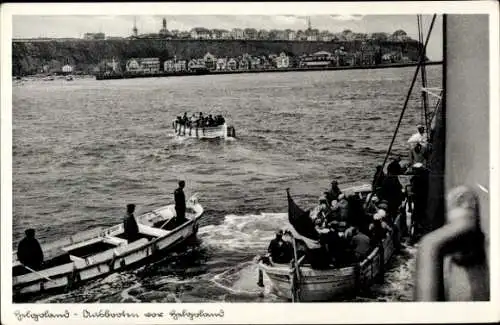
316 60
94 36
150 65
180 66
196 65
210 61
164 33
254 62
282 61
250 33
221 64
168 66
238 33
232 64
263 34
133 66
200 33
216 33
242 63
143 65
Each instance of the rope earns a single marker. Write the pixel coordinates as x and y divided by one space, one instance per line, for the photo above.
424 79
420 36
422 51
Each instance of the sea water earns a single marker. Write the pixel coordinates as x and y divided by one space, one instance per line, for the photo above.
84 149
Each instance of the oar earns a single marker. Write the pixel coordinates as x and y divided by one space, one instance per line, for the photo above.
296 287
37 273
260 281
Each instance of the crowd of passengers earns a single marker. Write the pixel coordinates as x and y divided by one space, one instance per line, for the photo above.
200 120
350 226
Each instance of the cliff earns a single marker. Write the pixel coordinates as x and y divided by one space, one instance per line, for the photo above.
30 57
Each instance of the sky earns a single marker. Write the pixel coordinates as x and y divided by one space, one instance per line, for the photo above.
28 26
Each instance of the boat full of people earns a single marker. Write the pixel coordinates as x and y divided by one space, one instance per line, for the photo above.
334 249
203 126
67 263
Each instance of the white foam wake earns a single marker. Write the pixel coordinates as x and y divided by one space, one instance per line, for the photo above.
247 232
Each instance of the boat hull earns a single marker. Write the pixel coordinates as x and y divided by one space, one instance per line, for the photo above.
222 131
332 284
78 271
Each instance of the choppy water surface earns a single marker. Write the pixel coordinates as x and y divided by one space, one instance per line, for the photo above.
83 149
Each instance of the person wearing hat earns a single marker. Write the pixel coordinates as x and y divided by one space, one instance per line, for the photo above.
321 211
383 205
279 250
378 178
395 166
360 244
378 228
29 251
392 192
419 137
420 189
334 192
343 208
130 227
417 154
180 202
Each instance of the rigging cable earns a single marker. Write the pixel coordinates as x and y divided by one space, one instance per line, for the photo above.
422 51
425 102
420 45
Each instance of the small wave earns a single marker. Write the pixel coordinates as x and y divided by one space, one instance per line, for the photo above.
242 232
242 280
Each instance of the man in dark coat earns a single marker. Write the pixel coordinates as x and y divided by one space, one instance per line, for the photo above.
333 193
180 201
361 244
395 166
29 251
378 179
130 227
280 251
420 187
392 192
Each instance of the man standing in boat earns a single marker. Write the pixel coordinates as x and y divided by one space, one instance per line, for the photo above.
130 227
333 193
180 202
29 251
419 137
395 166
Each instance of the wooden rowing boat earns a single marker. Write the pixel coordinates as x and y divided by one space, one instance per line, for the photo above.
98 252
333 283
221 131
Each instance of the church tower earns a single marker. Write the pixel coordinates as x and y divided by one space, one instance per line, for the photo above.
163 30
134 30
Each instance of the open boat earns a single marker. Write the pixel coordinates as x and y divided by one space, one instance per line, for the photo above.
304 283
209 132
98 252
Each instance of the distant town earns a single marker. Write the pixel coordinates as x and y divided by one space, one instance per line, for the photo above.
200 33
325 50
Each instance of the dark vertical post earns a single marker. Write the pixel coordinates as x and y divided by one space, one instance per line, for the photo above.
434 218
